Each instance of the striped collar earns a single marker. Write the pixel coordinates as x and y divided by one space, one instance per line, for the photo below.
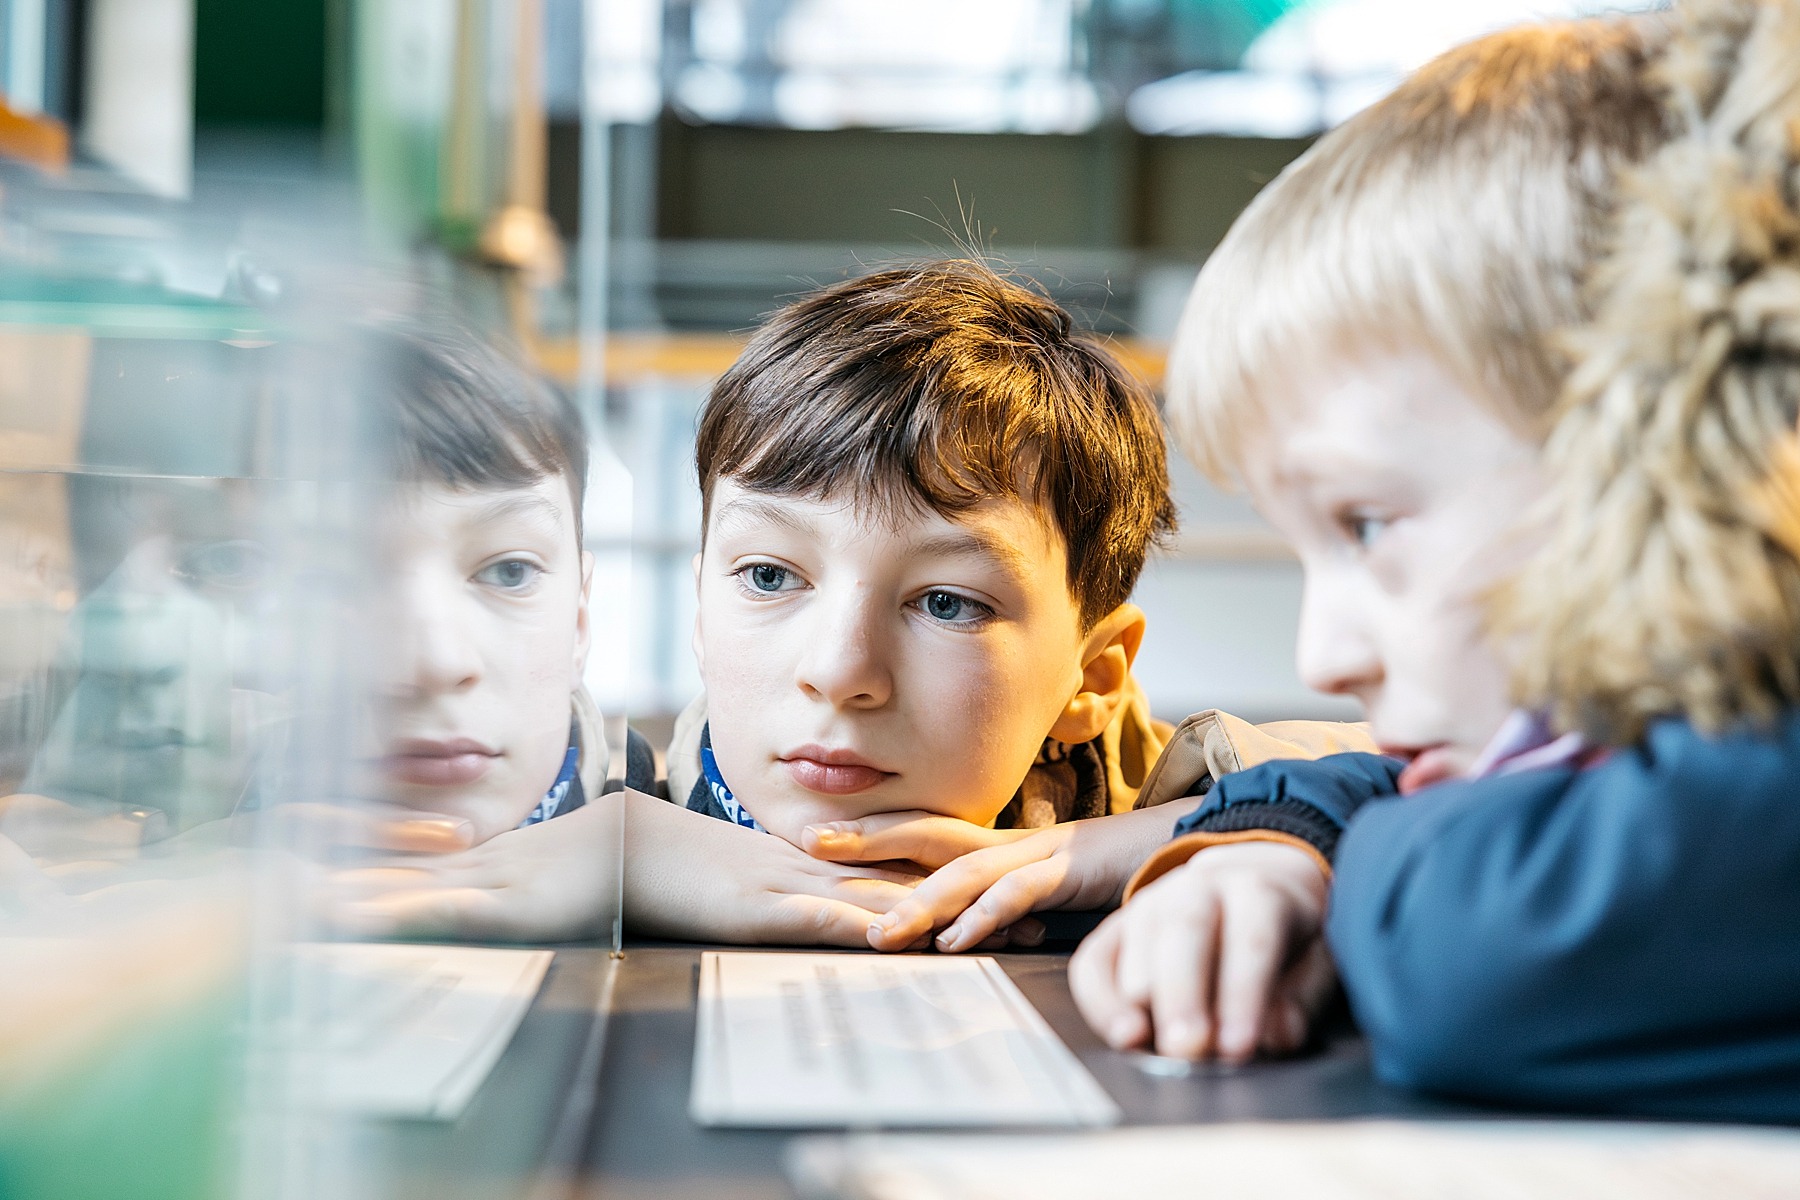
715 784
553 799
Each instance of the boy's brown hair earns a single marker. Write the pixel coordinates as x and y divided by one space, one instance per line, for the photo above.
461 411
945 385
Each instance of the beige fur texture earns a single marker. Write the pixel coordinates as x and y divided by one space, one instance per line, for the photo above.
1669 584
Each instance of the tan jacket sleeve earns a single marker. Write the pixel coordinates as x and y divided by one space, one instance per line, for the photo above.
1212 743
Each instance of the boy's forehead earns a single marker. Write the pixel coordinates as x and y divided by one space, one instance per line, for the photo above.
1343 412
1009 531
545 503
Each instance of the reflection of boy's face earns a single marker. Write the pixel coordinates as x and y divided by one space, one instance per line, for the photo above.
486 637
856 663
1399 491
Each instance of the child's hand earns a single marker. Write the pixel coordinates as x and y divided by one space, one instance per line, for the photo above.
1222 956
988 891
686 875
925 838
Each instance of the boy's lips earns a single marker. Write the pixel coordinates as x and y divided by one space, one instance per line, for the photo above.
438 762
832 772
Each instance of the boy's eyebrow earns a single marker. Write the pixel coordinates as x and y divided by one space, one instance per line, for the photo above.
531 507
963 543
752 509
972 543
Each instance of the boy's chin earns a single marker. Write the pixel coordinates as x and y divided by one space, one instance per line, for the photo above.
788 816
788 819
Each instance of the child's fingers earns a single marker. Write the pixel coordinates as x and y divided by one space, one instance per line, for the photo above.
907 880
426 912
1094 982
396 875
939 899
1304 990
816 920
1147 916
308 825
1181 970
1015 896
925 838
873 896
1252 946
1026 931
363 882
948 893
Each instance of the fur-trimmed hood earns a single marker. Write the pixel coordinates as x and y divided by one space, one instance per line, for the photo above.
1669 584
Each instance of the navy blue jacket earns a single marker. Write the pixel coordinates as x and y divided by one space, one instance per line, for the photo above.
1624 938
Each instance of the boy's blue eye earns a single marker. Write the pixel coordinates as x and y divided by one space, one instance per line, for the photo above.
510 574
232 566
766 578
1362 528
952 609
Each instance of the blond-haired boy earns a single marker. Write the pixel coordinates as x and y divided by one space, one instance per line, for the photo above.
1596 909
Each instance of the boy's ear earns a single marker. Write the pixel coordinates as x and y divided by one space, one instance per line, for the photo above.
1106 660
584 634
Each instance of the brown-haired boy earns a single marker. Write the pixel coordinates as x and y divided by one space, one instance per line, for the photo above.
927 499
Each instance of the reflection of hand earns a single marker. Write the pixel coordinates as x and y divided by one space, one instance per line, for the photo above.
990 892
99 831
686 875
45 827
23 887
360 825
1223 955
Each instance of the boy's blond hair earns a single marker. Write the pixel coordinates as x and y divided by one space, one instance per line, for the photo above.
1670 585
1453 215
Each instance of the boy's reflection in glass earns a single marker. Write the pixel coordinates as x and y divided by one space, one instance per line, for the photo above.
157 715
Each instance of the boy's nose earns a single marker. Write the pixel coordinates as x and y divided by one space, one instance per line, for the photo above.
843 660
1334 652
434 650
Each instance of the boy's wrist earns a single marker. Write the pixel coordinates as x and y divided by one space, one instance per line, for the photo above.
1176 853
1294 819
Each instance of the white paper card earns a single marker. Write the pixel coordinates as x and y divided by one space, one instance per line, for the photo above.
1353 1160
867 1040
403 1030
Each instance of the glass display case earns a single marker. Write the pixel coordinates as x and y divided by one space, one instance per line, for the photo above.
199 610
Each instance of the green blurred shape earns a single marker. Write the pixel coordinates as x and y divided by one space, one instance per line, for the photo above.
1224 29
259 62
148 1115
